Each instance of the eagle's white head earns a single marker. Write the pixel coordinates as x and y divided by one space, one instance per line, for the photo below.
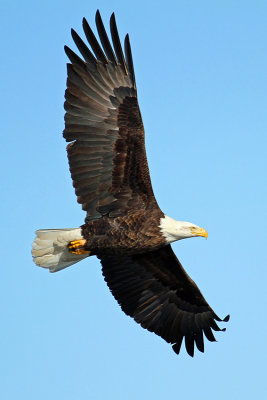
176 230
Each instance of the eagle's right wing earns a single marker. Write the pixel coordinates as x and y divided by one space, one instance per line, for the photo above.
107 155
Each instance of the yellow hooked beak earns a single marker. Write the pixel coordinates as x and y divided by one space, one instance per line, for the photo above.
199 232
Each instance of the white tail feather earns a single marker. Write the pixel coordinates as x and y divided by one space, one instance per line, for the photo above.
49 249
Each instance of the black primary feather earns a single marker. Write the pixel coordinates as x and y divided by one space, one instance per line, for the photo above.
116 42
104 38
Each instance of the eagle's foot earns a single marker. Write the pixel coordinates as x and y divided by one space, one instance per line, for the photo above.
77 247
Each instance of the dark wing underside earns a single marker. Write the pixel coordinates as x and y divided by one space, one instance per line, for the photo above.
155 290
107 155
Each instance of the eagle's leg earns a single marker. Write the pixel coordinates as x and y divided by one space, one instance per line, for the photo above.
78 247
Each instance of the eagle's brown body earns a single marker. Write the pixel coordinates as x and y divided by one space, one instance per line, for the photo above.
109 169
136 233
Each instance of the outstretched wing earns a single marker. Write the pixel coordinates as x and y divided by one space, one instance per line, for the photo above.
155 290
107 155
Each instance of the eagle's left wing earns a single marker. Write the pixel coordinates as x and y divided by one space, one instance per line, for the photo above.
155 290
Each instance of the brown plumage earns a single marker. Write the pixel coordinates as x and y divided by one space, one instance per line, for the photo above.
123 225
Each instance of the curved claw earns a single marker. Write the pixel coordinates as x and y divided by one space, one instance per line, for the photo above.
78 247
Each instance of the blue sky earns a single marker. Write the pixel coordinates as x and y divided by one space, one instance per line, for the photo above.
201 77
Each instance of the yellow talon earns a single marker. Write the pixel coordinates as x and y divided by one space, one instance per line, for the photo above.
75 244
80 251
77 247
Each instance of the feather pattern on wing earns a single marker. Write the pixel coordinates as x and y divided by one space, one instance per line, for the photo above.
155 290
103 122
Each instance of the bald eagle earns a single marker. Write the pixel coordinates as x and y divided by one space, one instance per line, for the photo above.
124 226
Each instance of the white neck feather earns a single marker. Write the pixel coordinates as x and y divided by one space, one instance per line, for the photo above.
174 230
